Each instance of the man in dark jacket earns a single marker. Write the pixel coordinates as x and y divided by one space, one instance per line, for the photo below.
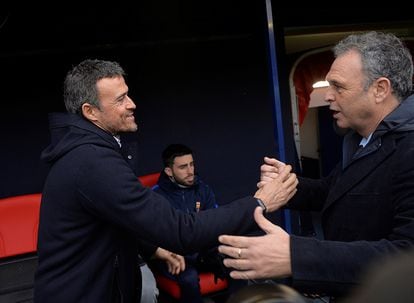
367 202
179 183
188 193
94 212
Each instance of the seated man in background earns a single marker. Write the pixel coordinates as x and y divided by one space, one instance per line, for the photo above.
188 193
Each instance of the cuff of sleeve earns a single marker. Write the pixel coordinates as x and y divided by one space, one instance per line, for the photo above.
261 204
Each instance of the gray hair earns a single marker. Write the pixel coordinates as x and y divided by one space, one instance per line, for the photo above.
80 82
382 55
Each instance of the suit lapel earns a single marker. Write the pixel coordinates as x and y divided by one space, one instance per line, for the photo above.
358 169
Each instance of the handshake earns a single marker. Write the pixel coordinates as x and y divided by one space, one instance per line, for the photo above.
277 184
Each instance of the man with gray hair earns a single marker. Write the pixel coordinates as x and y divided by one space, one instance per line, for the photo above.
367 201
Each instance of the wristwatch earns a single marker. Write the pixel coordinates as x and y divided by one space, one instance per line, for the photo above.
261 204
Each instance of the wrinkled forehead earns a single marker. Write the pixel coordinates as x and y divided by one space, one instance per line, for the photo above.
346 67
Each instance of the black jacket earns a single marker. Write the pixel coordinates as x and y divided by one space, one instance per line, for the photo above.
185 198
93 211
366 204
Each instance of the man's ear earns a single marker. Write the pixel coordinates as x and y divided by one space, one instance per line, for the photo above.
382 89
168 171
89 111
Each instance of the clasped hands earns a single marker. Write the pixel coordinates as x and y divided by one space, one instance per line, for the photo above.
265 256
277 184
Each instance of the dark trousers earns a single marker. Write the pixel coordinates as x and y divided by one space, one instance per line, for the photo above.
187 280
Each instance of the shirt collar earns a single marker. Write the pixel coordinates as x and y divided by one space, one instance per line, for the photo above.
364 141
118 140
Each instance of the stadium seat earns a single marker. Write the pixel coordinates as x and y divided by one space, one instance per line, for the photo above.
149 180
19 221
208 286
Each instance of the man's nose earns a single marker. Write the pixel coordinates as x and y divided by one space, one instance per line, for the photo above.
131 103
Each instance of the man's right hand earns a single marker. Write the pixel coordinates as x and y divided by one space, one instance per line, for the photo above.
278 184
175 262
269 170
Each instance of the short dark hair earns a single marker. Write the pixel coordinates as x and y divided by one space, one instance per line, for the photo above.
172 151
80 82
